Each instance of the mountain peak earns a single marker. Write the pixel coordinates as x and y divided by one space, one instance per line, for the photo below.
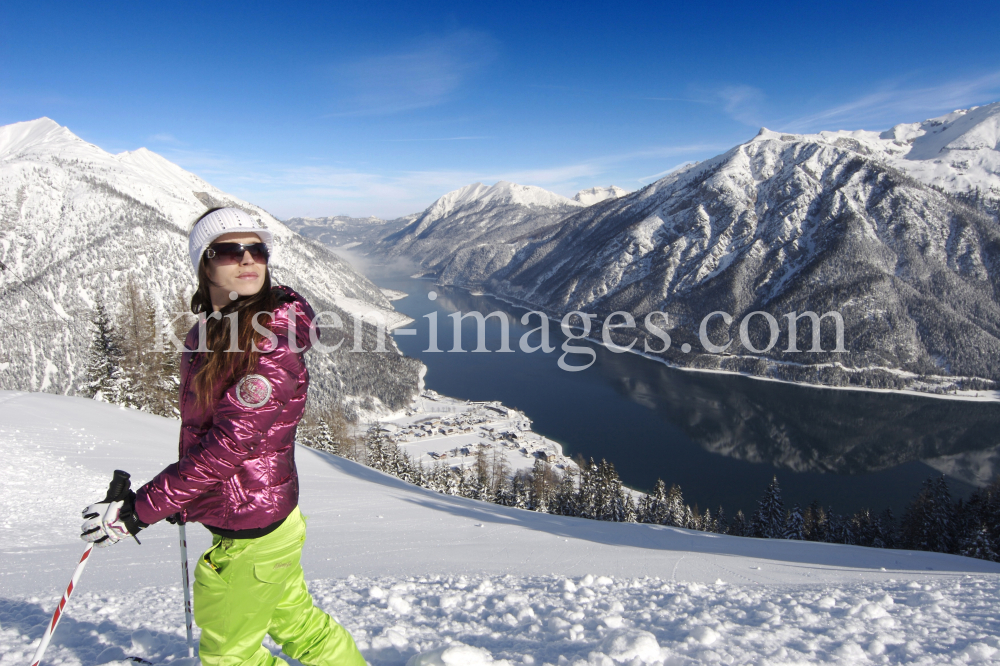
502 192
18 137
597 194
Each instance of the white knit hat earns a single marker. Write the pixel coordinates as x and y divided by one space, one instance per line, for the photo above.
223 221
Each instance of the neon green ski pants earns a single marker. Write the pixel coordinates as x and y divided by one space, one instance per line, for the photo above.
246 588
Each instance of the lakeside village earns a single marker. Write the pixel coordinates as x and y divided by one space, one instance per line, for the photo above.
440 429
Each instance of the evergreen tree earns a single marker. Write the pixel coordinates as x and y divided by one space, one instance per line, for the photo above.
980 546
106 380
769 522
928 521
675 514
721 524
739 525
653 507
794 527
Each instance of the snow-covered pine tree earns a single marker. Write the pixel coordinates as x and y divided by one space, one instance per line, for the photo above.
739 527
794 527
586 497
106 380
676 511
980 546
653 507
721 524
769 522
564 503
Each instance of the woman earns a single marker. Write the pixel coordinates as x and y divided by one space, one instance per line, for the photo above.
240 401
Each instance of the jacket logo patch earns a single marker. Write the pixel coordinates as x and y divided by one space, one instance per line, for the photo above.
253 391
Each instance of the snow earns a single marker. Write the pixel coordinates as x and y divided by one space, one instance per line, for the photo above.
959 151
598 194
421 578
500 193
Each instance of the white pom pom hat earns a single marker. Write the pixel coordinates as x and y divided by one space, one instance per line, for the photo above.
224 221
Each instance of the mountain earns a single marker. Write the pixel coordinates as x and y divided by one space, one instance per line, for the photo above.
346 232
77 224
473 231
598 194
897 231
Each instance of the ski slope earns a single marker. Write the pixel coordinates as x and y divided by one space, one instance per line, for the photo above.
424 579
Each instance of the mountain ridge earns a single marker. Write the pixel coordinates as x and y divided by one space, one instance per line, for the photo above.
77 222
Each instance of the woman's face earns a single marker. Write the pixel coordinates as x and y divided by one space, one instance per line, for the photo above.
245 278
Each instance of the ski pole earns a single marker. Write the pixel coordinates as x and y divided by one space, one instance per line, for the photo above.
185 580
57 615
120 484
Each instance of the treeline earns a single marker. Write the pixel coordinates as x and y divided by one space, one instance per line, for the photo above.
932 521
123 366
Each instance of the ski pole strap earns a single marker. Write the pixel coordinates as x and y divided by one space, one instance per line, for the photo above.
57 615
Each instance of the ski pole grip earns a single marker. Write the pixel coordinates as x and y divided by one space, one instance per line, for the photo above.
120 485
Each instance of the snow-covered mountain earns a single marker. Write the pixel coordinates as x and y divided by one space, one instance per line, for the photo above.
428 580
347 232
78 222
598 194
897 231
473 231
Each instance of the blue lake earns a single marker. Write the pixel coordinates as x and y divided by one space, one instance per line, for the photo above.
720 437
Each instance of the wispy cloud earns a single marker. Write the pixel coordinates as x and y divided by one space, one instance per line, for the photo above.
742 103
316 190
447 138
427 74
165 138
893 103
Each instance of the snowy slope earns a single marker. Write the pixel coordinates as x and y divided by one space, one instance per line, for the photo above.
410 571
598 194
78 223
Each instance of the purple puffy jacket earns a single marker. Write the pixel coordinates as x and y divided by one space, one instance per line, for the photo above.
236 467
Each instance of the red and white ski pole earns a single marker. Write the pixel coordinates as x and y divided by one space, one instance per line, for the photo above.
119 486
47 636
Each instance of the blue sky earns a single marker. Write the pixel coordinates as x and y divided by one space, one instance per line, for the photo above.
379 108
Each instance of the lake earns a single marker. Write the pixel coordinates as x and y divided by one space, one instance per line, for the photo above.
721 437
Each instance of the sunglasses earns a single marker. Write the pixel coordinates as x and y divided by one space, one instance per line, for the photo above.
225 254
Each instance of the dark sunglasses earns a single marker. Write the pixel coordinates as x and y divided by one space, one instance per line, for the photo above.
225 254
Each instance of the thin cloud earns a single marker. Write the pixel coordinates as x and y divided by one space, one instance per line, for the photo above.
892 104
448 138
426 75
742 103
165 138
315 190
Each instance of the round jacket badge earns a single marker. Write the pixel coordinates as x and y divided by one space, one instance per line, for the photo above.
253 391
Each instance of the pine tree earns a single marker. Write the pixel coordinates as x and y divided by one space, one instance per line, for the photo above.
794 528
980 546
106 379
675 514
721 524
739 525
769 522
928 521
587 499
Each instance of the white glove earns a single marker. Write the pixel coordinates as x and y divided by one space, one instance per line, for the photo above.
104 525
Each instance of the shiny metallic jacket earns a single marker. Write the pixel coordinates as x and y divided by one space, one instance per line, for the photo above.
236 468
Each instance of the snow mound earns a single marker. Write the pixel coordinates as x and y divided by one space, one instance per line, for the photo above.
456 655
627 646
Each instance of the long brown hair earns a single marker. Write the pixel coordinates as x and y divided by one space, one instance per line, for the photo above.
223 367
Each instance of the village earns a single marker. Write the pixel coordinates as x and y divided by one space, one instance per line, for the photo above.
440 429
